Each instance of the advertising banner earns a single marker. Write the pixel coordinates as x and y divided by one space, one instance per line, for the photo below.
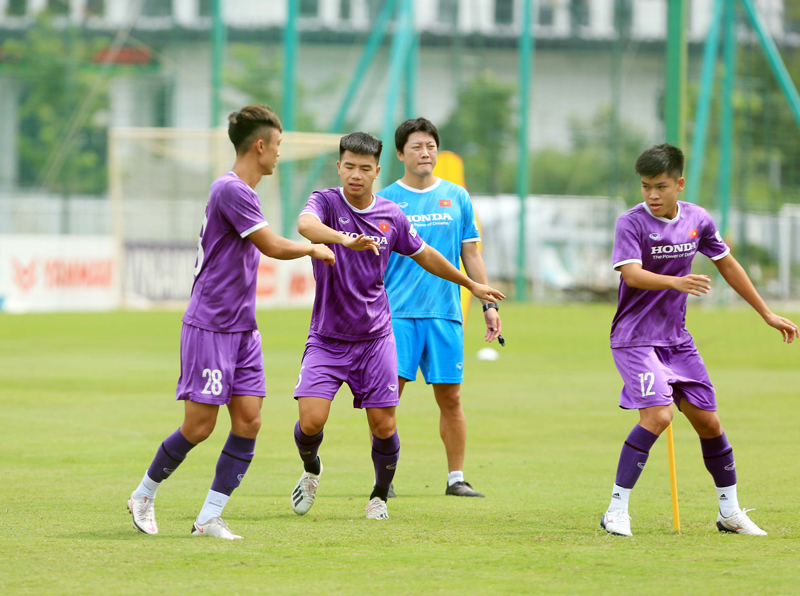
164 274
52 273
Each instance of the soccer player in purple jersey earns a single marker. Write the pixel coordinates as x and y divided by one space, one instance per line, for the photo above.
654 246
221 361
351 340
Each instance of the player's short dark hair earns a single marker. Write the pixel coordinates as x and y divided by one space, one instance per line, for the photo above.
361 143
246 125
659 159
409 127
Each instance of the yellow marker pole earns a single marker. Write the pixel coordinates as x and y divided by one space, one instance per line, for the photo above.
450 167
673 480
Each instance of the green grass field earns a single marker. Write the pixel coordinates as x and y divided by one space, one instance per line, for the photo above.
87 398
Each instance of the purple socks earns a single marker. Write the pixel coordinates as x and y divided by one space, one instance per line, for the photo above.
232 464
308 447
169 456
718 457
385 455
634 456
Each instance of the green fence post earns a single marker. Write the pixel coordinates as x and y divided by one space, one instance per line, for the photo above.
526 50
675 84
704 104
218 32
286 172
774 58
411 75
401 44
726 155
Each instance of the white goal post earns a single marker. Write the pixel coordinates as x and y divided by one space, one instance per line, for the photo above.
158 189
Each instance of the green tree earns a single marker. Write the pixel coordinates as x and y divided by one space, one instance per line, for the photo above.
260 77
481 130
53 67
587 168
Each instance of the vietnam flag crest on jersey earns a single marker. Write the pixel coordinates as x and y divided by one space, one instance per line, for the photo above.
383 226
445 203
693 233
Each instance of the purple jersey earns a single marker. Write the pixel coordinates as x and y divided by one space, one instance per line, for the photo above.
224 291
666 247
350 301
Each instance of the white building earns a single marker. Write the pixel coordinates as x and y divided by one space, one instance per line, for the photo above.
573 59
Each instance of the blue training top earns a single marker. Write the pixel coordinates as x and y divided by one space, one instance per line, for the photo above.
445 219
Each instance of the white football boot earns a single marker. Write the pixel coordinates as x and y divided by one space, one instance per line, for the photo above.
376 509
216 527
739 523
305 492
144 514
617 522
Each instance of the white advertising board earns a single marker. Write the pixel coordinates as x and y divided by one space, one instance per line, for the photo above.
285 284
160 274
52 273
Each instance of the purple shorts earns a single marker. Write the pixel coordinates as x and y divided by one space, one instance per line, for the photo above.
215 366
369 367
659 376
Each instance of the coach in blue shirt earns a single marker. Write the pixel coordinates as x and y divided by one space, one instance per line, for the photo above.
426 310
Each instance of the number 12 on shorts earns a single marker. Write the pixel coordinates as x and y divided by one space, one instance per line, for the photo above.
650 379
214 384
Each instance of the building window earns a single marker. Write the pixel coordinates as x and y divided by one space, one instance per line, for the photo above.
345 9
16 8
95 8
204 8
374 8
157 8
58 6
503 12
579 13
448 12
309 8
623 16
547 13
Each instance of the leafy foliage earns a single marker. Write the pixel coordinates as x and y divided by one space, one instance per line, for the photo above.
50 65
259 76
481 130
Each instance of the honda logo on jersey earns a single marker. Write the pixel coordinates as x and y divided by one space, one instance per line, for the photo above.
678 249
383 226
380 240
445 203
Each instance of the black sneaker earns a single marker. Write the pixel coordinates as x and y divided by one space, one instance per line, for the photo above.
462 489
391 494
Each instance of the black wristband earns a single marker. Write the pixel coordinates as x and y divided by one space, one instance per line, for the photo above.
489 305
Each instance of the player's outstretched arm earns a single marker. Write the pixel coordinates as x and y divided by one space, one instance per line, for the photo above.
636 277
277 247
738 279
432 261
476 270
312 228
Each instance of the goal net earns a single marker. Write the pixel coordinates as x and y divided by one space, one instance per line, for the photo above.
158 186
